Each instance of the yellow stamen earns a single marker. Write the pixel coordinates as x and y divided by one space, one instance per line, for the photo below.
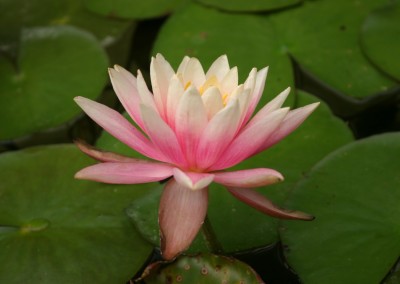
212 81
188 84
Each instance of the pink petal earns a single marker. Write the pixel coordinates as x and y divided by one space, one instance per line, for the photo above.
160 75
217 135
162 136
102 156
249 140
258 90
127 93
248 178
126 173
115 124
192 180
219 68
261 203
293 120
181 215
190 120
273 105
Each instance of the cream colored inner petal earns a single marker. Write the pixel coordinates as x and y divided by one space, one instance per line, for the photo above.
212 100
217 94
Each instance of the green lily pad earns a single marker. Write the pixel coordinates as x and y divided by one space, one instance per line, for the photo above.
238 226
323 36
354 193
132 9
380 38
248 40
203 268
23 14
55 229
54 65
241 227
249 6
393 278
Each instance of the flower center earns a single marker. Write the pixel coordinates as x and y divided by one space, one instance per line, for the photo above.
210 82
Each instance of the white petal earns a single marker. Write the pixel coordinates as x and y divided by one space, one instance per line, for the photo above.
230 81
258 90
194 73
182 66
219 68
250 82
212 100
160 75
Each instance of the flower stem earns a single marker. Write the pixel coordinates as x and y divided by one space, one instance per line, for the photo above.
209 236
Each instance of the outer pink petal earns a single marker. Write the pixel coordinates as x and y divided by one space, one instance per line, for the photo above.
126 173
162 136
258 90
289 124
250 139
261 203
181 215
103 156
217 135
248 178
190 120
192 180
127 93
115 124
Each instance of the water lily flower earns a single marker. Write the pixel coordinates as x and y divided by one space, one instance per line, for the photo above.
192 126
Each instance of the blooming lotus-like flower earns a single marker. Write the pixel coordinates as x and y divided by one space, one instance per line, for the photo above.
193 126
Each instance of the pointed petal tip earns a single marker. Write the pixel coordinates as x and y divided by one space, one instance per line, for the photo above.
314 105
265 69
308 109
79 175
263 204
111 72
287 90
78 98
298 215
